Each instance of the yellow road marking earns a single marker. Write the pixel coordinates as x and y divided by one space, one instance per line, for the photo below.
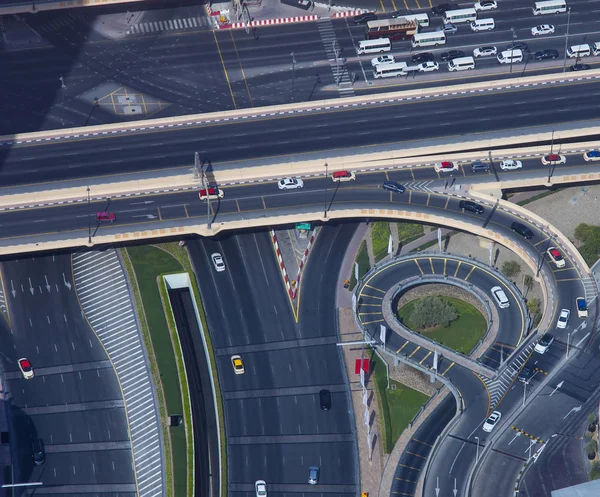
382 6
487 391
428 197
428 354
417 263
472 269
159 214
447 201
457 268
263 201
187 214
241 68
238 205
377 289
541 241
414 351
224 69
445 261
371 322
431 264
405 344
447 369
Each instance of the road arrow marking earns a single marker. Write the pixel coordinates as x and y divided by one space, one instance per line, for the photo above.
454 491
437 486
31 286
67 284
13 291
557 387
47 284
575 409
148 216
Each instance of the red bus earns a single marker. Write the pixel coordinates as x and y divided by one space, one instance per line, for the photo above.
394 29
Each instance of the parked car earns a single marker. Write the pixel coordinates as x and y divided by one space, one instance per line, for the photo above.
393 186
580 67
486 5
467 205
563 319
418 58
521 229
591 155
554 159
364 18
451 54
510 164
485 51
492 421
290 183
542 29
546 54
556 256
446 167
218 262
26 368
428 66
383 59
544 344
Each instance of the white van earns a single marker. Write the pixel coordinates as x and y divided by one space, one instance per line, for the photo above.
510 56
483 24
461 64
379 45
596 48
579 51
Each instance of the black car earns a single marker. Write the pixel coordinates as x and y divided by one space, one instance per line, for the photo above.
525 374
37 448
365 18
393 186
546 54
467 205
521 229
418 58
518 45
325 400
440 10
452 54
580 67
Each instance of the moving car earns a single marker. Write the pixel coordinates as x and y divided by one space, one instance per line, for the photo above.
383 59
451 54
582 310
518 45
211 193
546 54
238 364
580 67
313 475
485 51
556 256
341 176
261 488
492 421
37 450
563 319
393 186
542 29
500 297
428 66
521 229
525 374
544 344
325 400
422 57
478 165
510 164
364 18
218 262
446 167
554 159
449 28
592 155
26 368
486 5
105 217
290 183
467 205
440 10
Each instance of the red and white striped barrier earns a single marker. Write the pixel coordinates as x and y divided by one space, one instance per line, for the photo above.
286 278
311 242
267 22
350 13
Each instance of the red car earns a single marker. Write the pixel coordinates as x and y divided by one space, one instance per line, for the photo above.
554 159
105 217
26 368
446 167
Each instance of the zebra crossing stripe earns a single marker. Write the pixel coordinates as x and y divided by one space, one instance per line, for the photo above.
194 22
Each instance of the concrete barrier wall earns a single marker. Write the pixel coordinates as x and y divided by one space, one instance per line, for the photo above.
40 5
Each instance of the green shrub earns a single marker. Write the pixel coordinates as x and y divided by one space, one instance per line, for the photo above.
408 232
362 257
432 311
534 306
528 282
591 447
592 417
589 236
595 470
511 268
380 234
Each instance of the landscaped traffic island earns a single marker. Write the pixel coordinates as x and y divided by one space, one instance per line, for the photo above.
444 313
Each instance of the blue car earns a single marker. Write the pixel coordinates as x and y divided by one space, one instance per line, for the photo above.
393 186
592 155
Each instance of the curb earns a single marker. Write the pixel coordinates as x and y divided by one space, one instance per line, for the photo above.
268 22
286 279
311 242
349 13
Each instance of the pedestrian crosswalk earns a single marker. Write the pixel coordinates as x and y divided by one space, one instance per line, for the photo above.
103 293
337 62
62 20
170 25
591 290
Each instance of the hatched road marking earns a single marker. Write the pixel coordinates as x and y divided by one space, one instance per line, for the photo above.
103 293
170 25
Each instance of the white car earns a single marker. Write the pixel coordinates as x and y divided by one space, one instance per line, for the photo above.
26 368
542 29
485 51
218 262
556 257
492 421
486 5
554 159
383 59
446 167
261 488
428 66
591 155
544 344
509 164
290 183
563 319
500 296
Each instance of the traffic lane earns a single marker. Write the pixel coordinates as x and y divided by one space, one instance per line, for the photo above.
498 471
288 463
287 368
299 134
308 418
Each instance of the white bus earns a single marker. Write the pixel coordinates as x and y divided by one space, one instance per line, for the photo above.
462 15
379 45
390 70
422 19
549 7
428 39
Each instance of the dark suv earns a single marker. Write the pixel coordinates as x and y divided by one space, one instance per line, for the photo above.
467 205
521 229
325 400
365 18
546 55
422 57
440 10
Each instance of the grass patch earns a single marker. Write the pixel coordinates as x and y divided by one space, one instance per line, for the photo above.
538 197
398 407
362 257
409 232
461 335
380 235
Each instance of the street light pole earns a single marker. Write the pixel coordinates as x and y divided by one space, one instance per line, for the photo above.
567 39
89 218
293 73
512 50
326 190
568 340
477 457
550 167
